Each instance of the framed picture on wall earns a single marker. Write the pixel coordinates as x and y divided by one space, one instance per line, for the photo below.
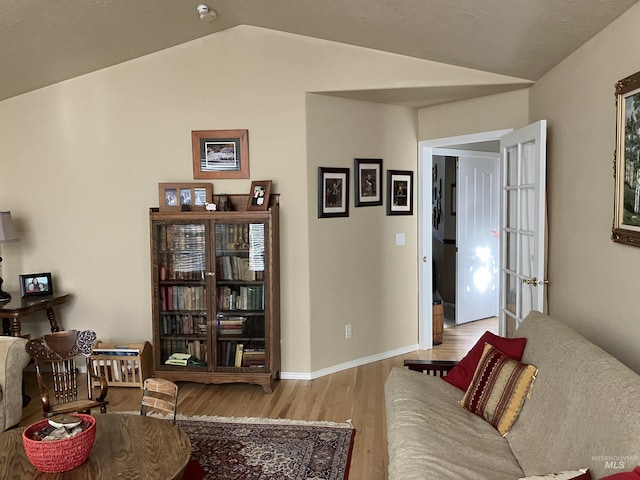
220 153
399 192
333 192
626 217
368 181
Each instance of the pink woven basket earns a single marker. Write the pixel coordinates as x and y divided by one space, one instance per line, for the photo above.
60 455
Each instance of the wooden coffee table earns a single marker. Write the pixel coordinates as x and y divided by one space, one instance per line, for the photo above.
126 446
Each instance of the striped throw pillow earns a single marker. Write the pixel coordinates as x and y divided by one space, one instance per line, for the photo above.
499 388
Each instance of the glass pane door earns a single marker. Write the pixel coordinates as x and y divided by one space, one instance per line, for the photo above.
241 321
181 294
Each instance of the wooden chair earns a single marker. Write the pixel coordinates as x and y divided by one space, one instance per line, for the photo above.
437 368
159 394
59 351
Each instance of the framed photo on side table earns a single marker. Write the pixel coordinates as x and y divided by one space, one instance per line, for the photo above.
220 153
178 197
368 181
259 195
626 171
399 192
333 192
34 284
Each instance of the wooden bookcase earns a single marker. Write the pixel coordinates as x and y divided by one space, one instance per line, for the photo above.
216 294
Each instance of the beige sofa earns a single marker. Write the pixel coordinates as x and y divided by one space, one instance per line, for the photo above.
583 413
13 359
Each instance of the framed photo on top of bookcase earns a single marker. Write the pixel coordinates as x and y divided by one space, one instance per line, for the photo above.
399 192
368 181
259 195
333 192
220 153
184 197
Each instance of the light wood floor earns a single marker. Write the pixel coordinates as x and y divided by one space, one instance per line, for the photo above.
356 394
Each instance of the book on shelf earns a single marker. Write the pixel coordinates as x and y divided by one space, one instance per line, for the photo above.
239 349
253 357
231 325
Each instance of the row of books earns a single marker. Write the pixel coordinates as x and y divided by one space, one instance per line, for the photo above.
195 348
231 325
182 297
182 267
231 267
184 324
234 354
232 237
181 237
244 297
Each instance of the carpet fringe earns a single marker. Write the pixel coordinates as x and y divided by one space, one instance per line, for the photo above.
259 420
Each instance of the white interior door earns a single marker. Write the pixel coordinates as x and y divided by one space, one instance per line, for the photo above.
522 222
478 224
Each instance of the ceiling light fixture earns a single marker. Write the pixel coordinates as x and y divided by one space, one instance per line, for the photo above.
206 14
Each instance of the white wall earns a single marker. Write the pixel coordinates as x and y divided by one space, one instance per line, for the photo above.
80 163
358 275
593 281
483 114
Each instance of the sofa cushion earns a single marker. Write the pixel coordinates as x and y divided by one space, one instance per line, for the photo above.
584 399
430 436
567 475
499 388
461 375
635 475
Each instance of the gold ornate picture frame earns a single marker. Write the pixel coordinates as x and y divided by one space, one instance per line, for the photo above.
626 168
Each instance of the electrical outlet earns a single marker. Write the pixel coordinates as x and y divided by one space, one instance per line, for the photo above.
347 331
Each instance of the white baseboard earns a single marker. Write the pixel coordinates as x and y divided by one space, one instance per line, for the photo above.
347 365
318 373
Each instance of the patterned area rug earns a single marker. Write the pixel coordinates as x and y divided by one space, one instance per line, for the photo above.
264 449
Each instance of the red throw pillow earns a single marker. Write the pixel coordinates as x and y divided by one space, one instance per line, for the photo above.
635 475
460 376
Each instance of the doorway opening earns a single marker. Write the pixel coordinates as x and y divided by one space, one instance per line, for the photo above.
430 189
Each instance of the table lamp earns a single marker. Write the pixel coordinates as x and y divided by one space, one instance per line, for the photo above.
7 234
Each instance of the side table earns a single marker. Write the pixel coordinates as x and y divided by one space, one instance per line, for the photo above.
14 311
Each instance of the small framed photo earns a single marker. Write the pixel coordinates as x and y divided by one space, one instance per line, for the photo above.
333 192
626 173
368 181
179 197
34 284
399 192
220 153
259 195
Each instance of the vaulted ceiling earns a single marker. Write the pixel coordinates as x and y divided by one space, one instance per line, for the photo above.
47 41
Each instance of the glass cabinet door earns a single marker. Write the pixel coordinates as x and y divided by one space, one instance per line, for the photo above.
241 321
181 295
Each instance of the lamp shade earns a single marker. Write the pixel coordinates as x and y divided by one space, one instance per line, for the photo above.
7 232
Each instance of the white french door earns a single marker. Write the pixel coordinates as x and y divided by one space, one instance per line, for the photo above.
523 222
